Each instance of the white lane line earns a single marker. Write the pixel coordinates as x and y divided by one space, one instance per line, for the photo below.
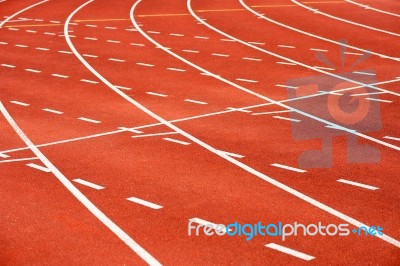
38 167
191 51
285 118
89 120
116 60
7 65
131 130
155 135
19 160
177 141
144 203
60 76
153 32
32 70
42 49
156 94
220 55
201 37
50 33
373 8
298 170
3 42
144 64
324 68
247 80
38 19
113 41
272 112
364 73
90 55
177 34
89 81
290 251
21 45
91 26
286 86
352 53
110 28
257 43
65 52
122 87
21 11
52 111
227 40
19 103
137 44
88 184
194 101
91 38
392 138
2 155
378 100
176 69
286 63
238 110
357 184
235 155
251 59
286 46
319 50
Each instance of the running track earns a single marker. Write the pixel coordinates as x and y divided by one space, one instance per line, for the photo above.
176 103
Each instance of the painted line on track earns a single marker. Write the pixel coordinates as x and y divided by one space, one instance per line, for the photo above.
357 184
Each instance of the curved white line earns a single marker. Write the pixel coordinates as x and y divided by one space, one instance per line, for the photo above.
372 8
316 11
313 35
21 11
74 191
204 145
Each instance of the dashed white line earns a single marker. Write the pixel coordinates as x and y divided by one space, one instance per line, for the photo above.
65 52
286 46
392 138
144 203
113 41
153 32
49 33
91 38
31 31
378 100
32 70
89 120
7 65
42 49
201 37
89 81
285 118
364 73
21 45
88 184
251 59
38 167
176 69
55 21
247 80
190 51
122 87
220 55
177 141
91 26
298 170
156 94
177 34
3 42
19 103
2 155
194 101
319 50
357 184
233 154
144 64
290 251
52 111
352 53
286 63
90 55
110 28
227 40
137 44
116 60
59 76
257 43
12 29
272 112
324 68
286 86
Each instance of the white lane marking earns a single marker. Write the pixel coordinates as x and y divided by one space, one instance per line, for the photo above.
364 73
285 46
55 21
32 70
373 8
220 55
21 45
7 65
272 112
257 43
378 100
131 130
251 59
21 11
2 155
91 26
90 55
352 53
52 111
144 64
19 103
91 38
290 251
286 63
247 80
137 44
60 76
122 87
42 49
49 33
154 135
113 41
116 60
357 184
89 81
77 194
31 31
12 29
145 203
226 40
235 155
392 138
177 141
153 32
65 52
89 120
88 184
19 160
194 101
344 20
110 28
156 94
324 68
286 86
294 169
38 167
285 118
238 110
191 51
3 42
319 50
201 37
176 69
176 34
38 19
